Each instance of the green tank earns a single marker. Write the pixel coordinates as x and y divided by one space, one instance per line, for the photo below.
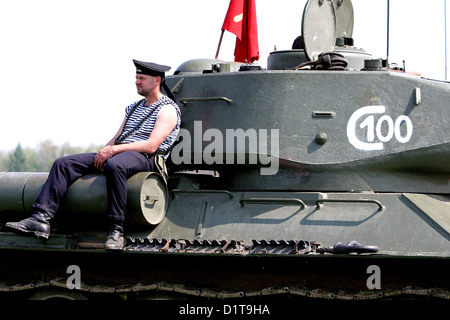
285 182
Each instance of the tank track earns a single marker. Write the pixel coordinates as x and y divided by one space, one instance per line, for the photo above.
176 251
176 291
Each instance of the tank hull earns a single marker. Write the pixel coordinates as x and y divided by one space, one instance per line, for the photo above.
328 218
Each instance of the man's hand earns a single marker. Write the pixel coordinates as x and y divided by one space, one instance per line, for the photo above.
102 156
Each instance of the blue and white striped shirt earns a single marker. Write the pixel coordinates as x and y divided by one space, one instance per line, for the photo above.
140 123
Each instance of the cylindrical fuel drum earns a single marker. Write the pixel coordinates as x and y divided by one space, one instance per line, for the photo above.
147 196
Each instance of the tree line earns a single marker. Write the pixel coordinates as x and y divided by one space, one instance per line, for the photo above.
39 159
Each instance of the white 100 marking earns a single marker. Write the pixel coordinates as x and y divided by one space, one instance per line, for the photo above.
393 128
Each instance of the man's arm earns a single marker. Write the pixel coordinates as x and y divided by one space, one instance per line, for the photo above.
166 121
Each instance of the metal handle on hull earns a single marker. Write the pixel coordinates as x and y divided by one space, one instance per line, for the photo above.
324 114
380 205
201 191
273 200
201 99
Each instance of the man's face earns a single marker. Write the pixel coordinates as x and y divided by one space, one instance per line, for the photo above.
145 84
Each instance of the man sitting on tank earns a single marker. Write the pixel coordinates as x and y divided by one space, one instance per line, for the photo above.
149 130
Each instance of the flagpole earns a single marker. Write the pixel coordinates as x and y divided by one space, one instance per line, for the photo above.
220 42
445 35
387 36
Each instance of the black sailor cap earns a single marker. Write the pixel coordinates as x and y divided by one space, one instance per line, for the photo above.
150 68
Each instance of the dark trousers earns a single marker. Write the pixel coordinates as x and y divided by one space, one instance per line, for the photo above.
117 170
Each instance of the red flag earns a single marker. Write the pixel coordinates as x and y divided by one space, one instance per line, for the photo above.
241 20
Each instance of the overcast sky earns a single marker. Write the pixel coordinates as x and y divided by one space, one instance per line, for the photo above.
66 71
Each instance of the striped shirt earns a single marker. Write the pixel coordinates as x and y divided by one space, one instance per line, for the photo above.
140 121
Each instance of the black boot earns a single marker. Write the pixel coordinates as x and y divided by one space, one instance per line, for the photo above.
38 224
115 239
